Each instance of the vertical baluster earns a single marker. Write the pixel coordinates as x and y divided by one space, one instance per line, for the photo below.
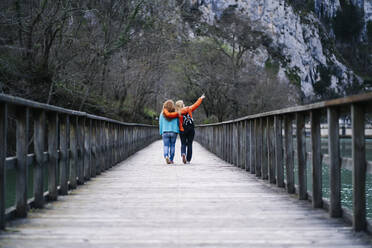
3 151
301 155
279 151
73 152
39 147
271 148
288 131
252 151
87 147
53 155
316 158
335 163
80 135
63 158
242 135
94 148
22 116
264 151
247 146
258 135
359 167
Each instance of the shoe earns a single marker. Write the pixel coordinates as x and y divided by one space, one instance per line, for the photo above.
184 158
172 162
167 160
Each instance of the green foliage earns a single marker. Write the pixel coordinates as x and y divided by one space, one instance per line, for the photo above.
348 22
302 5
272 66
293 77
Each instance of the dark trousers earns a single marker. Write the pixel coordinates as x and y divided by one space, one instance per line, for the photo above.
187 138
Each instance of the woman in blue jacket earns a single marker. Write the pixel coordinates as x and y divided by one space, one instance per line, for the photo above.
168 129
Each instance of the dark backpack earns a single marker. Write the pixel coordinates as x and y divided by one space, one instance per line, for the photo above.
187 123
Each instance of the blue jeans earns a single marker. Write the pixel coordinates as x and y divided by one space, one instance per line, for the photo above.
169 141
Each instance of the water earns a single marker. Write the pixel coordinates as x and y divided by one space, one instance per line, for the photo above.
346 175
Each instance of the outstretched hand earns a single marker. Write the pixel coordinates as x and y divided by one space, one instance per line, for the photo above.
203 96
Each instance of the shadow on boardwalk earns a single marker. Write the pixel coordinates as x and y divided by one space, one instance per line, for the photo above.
144 203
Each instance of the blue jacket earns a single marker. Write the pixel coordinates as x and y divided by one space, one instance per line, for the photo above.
166 125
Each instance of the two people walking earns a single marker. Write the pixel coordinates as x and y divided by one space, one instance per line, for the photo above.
174 119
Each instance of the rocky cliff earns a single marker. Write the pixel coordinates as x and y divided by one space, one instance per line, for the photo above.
305 45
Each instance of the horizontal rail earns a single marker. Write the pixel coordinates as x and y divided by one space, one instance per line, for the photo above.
265 145
363 98
70 146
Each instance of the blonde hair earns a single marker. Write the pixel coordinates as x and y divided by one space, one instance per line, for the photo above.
179 106
169 105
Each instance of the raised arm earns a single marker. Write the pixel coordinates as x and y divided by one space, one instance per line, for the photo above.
197 103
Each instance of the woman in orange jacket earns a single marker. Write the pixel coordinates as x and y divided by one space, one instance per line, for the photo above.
186 126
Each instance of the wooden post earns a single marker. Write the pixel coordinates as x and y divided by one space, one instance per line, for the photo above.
39 147
288 131
63 158
247 145
359 167
22 116
258 136
74 152
3 151
316 158
335 163
53 155
94 149
80 141
301 156
87 148
279 151
252 150
271 148
264 152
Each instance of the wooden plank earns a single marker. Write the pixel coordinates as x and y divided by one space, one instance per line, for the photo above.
316 159
247 146
215 206
258 147
63 158
74 152
80 142
53 155
94 148
264 150
279 151
252 150
22 132
289 158
87 152
3 151
301 156
335 163
39 148
359 167
271 149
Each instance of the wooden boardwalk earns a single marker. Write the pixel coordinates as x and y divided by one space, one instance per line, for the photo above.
144 203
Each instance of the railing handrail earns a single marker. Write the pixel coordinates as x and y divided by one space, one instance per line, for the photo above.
301 108
73 145
264 145
18 101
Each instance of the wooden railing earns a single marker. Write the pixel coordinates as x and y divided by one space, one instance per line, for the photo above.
69 148
264 143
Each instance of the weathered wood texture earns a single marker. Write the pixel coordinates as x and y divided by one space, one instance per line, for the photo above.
316 159
208 203
301 156
67 157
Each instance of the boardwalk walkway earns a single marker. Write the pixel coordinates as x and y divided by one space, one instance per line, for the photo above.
209 203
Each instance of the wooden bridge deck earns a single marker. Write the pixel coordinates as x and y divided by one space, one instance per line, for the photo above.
144 203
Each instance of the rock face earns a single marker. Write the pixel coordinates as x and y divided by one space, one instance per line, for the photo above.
299 36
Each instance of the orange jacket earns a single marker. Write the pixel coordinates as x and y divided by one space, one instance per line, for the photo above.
185 110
